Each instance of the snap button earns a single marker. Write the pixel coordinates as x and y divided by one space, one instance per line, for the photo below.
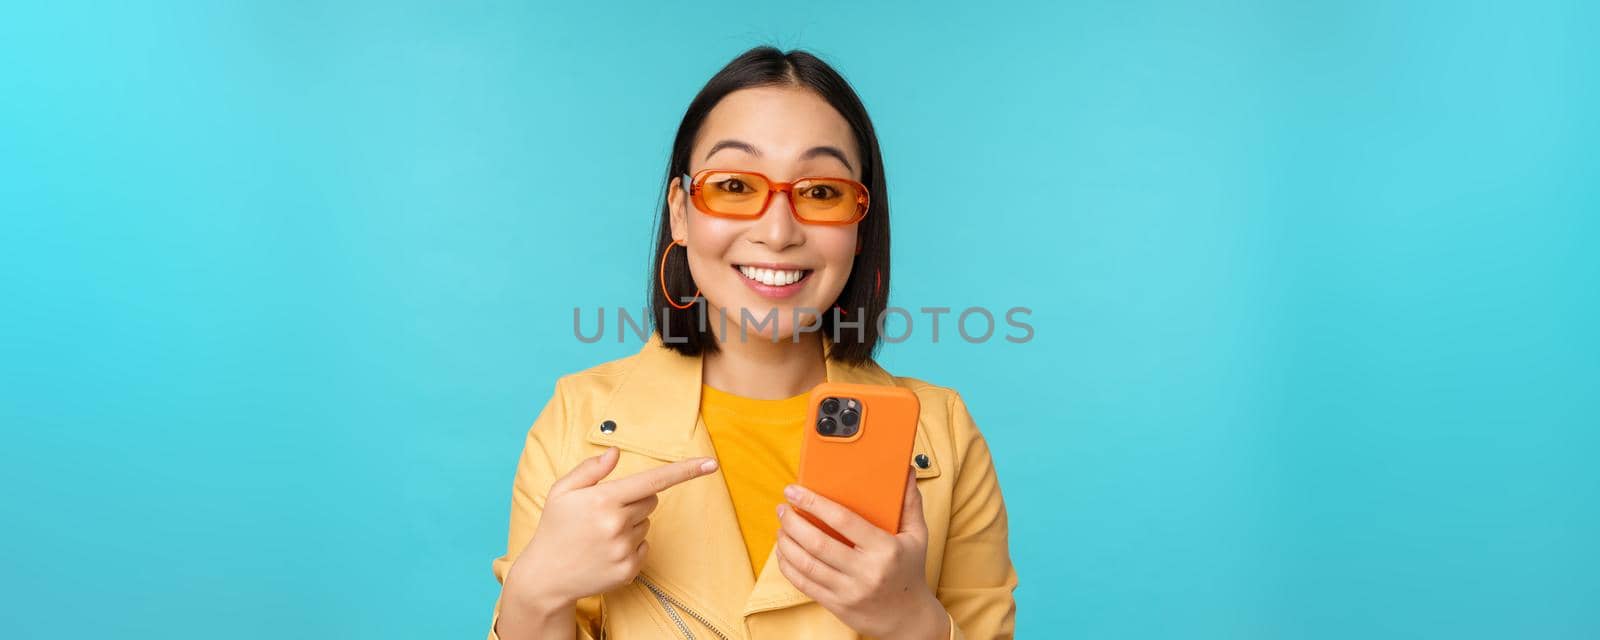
922 461
608 426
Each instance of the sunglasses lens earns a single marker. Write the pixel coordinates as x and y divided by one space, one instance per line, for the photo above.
734 194
823 200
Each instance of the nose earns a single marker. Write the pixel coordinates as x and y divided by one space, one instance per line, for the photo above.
777 227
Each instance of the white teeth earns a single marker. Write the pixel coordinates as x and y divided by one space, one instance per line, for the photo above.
772 277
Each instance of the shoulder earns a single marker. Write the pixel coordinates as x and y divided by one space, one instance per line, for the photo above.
579 390
928 393
571 404
943 411
953 435
598 376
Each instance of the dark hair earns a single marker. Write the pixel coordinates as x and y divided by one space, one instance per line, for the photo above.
866 292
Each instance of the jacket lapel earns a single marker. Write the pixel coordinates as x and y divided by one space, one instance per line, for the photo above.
655 405
696 550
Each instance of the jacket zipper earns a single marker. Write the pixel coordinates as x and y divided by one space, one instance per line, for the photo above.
672 605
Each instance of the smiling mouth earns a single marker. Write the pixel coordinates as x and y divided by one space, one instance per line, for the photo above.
772 277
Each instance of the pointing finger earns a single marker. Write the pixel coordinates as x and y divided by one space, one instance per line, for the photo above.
650 482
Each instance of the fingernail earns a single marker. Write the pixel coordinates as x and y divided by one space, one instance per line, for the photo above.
781 509
791 492
708 466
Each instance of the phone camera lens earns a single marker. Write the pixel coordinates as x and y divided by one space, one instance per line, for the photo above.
830 405
826 426
849 418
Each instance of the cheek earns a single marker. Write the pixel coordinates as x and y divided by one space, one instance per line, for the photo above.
838 250
709 241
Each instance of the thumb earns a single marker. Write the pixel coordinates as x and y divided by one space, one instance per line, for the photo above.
911 519
588 472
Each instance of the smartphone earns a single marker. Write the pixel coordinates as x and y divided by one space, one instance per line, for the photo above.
857 450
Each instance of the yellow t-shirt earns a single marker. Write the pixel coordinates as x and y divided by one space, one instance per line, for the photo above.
758 448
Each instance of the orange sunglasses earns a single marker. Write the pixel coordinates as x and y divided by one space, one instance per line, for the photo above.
744 195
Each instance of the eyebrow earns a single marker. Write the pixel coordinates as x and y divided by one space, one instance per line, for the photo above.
752 150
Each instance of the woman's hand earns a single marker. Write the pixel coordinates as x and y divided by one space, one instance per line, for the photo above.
878 587
591 537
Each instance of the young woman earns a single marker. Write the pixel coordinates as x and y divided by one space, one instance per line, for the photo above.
653 497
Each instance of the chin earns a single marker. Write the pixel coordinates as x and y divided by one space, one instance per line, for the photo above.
754 329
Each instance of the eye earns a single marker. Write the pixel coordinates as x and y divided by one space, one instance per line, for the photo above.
733 185
822 192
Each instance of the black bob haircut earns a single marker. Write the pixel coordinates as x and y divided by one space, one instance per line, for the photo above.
866 292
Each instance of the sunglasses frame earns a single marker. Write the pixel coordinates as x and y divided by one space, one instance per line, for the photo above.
696 187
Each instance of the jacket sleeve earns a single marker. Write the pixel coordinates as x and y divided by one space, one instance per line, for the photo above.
977 580
537 469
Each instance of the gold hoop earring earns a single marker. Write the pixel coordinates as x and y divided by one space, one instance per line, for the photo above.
662 275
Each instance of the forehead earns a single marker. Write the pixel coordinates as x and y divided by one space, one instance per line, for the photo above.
782 122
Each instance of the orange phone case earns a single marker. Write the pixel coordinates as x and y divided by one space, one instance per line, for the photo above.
866 472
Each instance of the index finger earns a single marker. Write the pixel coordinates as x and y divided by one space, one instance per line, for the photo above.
653 481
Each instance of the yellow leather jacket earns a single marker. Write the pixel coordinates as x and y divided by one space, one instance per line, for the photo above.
696 580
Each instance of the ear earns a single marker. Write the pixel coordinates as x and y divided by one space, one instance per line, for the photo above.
678 205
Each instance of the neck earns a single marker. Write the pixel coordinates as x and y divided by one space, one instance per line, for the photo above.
762 369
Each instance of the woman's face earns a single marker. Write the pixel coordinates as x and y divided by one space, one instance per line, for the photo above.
784 133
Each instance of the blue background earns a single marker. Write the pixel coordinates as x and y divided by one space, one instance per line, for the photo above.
1313 286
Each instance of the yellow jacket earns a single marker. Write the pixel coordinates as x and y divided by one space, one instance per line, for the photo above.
696 579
